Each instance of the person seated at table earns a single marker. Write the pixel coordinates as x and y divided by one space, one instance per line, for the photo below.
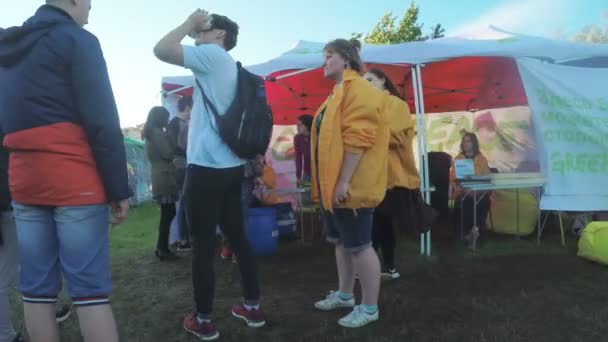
469 149
264 185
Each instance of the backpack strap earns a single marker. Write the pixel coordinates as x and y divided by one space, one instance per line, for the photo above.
207 100
210 106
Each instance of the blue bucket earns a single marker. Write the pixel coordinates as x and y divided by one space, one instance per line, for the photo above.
262 230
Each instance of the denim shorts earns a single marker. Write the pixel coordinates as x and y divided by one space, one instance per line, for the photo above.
349 228
68 242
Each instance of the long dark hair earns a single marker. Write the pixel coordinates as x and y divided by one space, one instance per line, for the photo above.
474 140
183 103
388 84
306 120
348 50
158 117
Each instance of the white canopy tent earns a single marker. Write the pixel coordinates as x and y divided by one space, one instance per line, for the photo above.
490 42
424 56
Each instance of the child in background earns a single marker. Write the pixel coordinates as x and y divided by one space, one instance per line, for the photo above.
265 183
301 143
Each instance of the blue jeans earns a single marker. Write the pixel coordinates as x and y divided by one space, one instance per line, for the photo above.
72 242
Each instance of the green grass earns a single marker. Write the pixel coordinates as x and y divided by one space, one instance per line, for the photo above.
510 290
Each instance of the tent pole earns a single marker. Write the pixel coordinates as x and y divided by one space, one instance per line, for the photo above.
423 135
421 156
297 72
165 93
427 185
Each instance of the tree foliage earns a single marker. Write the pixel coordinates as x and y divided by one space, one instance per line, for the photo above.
594 33
390 31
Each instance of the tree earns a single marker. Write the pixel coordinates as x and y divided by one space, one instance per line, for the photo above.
594 33
386 31
437 31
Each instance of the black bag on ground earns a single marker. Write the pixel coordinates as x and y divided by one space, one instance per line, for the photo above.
410 209
246 127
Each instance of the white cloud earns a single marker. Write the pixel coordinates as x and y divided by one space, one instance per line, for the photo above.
537 17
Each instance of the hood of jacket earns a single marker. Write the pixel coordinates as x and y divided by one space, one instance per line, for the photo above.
16 42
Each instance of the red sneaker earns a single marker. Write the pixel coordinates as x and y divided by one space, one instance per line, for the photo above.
226 253
255 317
205 331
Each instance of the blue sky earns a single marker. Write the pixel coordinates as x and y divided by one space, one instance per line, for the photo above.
129 29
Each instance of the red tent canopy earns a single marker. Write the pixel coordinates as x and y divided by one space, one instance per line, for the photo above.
470 83
171 87
303 93
461 84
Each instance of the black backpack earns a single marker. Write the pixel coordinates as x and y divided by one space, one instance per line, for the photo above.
246 127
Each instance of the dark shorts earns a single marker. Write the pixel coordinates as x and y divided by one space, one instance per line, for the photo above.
349 228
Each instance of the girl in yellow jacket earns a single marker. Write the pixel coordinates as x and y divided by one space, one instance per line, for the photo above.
403 179
349 175
469 149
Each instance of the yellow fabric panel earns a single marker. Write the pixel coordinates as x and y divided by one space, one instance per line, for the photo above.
593 244
504 212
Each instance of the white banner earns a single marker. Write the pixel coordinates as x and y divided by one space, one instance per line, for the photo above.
570 117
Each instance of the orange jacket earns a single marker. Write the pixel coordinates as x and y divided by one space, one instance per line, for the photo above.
353 122
481 168
402 171
269 180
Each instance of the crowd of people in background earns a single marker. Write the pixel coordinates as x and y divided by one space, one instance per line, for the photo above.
355 154
178 134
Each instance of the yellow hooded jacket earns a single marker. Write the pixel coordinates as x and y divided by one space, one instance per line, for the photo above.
353 121
402 171
480 163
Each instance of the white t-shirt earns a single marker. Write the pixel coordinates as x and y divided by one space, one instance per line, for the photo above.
216 71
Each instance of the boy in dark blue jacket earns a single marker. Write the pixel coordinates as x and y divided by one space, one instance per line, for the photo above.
67 166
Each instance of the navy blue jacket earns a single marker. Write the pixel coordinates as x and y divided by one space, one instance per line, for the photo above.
57 111
5 196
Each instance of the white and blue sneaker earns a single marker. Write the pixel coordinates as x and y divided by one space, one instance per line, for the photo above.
333 301
358 318
390 273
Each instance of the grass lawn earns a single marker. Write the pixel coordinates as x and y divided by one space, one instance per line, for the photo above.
511 290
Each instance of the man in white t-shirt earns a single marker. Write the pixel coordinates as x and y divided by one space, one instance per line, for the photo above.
214 175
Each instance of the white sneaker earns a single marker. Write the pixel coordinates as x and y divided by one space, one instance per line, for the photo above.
390 273
333 301
358 318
